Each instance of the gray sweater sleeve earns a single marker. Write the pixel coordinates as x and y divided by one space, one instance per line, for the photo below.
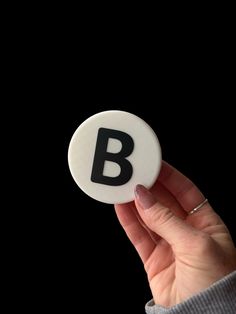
220 298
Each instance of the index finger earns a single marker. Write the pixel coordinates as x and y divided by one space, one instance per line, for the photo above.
181 187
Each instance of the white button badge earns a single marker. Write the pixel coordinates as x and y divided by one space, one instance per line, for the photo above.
110 153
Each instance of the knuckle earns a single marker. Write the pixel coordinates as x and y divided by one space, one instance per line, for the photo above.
161 216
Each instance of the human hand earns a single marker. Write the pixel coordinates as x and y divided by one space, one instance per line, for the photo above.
182 254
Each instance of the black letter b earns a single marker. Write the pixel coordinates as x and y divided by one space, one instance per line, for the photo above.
101 155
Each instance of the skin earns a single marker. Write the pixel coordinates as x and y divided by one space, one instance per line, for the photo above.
182 254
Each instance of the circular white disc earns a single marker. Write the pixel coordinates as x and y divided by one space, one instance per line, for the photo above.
110 153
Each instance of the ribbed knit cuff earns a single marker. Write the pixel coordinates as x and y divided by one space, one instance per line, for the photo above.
219 298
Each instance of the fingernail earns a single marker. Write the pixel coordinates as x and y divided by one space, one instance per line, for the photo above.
144 197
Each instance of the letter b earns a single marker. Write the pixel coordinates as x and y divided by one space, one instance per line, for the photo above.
101 155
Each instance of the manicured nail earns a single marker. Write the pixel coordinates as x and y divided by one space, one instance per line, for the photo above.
144 197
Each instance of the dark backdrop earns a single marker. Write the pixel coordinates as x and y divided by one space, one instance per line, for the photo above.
70 249
86 255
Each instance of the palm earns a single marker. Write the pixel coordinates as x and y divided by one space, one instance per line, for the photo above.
176 273
176 276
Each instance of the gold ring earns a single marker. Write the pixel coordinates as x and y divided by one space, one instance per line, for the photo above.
198 207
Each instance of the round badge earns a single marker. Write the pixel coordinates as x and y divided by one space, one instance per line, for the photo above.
110 153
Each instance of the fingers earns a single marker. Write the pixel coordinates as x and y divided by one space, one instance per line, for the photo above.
162 220
135 231
183 189
164 196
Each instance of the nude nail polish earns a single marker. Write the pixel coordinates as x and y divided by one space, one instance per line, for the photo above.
144 197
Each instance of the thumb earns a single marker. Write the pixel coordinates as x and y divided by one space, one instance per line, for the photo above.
162 220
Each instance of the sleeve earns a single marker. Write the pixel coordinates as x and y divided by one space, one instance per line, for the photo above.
219 298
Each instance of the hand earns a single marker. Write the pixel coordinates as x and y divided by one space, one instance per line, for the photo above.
182 254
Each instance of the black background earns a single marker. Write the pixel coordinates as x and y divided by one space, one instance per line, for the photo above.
69 250
87 257
79 256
